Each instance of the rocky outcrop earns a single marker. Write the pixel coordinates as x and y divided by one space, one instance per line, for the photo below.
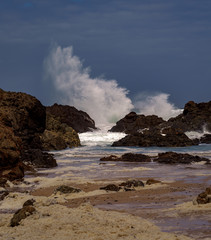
133 123
206 138
178 158
168 137
78 120
22 120
111 187
58 136
66 189
195 117
128 157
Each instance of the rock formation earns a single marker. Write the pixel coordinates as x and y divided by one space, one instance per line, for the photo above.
78 120
133 123
128 157
57 135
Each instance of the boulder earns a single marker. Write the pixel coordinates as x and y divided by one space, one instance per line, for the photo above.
58 136
133 123
206 138
132 183
169 137
204 197
78 120
21 214
178 158
151 181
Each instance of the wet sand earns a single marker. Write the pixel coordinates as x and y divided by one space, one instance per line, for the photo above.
161 204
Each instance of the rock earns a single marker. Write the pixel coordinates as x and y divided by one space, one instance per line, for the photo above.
3 194
58 136
156 137
110 158
111 187
178 158
21 214
66 189
39 159
3 182
132 157
13 173
78 120
132 183
29 202
204 197
194 117
152 181
206 138
133 123
128 157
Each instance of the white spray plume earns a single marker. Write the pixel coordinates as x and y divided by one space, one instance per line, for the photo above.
157 104
102 99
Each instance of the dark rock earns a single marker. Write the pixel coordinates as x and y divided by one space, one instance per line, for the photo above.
132 183
194 117
152 181
132 157
66 189
206 138
13 173
133 123
38 158
111 187
3 194
178 158
29 202
78 120
128 157
21 214
58 136
3 182
204 197
156 137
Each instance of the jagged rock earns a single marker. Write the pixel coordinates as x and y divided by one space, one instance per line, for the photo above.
195 117
13 173
204 197
66 189
58 136
133 123
21 214
132 183
22 118
151 181
178 158
128 157
78 120
206 138
39 159
111 187
156 137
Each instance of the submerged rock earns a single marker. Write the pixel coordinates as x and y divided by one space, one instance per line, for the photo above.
67 189
178 158
151 181
128 157
80 121
132 183
111 187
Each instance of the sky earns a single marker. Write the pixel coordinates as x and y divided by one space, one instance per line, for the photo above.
146 46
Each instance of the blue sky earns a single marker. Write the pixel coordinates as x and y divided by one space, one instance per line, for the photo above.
146 45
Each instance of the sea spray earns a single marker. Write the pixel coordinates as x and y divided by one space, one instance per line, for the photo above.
102 99
156 104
